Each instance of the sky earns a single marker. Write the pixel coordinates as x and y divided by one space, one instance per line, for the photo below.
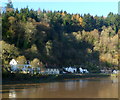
93 7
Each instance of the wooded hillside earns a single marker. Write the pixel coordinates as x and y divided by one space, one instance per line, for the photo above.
59 38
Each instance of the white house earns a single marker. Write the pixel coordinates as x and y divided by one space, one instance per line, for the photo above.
52 71
115 71
70 69
13 64
83 70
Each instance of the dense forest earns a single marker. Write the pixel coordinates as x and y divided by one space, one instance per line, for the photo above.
58 38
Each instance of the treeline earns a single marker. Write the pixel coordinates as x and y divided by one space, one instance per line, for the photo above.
59 38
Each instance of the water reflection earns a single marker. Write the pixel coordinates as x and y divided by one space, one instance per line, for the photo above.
70 85
53 86
83 83
114 80
12 94
83 88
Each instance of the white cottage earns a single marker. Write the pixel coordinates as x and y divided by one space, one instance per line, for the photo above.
70 69
52 71
83 70
13 64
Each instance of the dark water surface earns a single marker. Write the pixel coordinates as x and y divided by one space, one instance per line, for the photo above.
80 88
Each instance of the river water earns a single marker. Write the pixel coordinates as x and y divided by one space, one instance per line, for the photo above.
74 88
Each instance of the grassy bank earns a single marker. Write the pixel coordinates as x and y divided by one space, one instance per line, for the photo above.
12 78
